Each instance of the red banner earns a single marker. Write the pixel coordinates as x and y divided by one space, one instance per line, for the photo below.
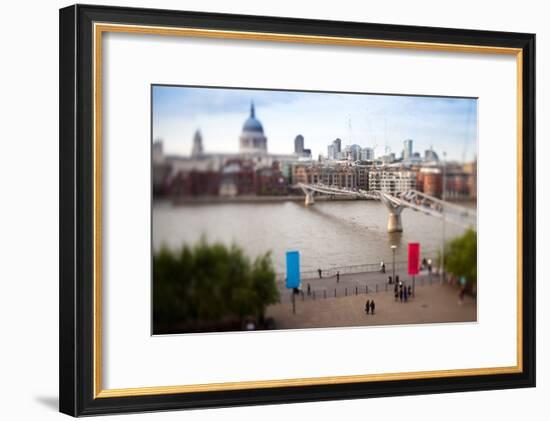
414 258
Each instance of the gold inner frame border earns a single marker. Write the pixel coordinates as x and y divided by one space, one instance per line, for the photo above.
100 28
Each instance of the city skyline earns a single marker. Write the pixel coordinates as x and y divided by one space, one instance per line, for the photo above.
369 120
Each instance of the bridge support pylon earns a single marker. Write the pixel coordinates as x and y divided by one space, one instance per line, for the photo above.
310 199
394 222
394 215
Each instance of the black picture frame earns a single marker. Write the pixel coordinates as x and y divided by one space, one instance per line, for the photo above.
76 168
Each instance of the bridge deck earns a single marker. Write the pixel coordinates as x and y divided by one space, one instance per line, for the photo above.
412 199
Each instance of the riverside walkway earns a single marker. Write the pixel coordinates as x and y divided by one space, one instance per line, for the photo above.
433 303
372 280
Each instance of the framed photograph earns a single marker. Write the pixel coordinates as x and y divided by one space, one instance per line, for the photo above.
259 210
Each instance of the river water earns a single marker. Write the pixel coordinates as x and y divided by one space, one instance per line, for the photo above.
327 234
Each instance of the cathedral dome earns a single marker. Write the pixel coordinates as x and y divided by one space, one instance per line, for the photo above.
252 139
252 124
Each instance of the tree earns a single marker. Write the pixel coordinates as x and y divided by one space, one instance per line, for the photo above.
267 293
210 283
461 257
171 286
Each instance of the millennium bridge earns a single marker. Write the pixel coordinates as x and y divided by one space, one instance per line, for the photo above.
395 203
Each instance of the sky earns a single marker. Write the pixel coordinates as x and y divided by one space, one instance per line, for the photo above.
381 122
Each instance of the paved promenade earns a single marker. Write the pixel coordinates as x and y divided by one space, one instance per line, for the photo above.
433 303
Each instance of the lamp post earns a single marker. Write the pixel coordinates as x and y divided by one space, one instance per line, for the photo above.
393 247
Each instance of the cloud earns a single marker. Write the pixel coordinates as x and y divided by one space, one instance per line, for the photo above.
447 124
189 101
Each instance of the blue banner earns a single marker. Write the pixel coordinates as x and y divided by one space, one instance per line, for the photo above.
292 269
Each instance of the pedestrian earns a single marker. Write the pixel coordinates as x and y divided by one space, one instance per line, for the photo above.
382 267
409 290
405 295
308 289
396 279
389 280
461 295
367 306
338 277
401 294
372 306
320 273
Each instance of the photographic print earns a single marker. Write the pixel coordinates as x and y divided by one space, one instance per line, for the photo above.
278 209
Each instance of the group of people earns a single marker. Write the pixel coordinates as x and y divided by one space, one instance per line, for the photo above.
401 292
370 306
427 264
390 280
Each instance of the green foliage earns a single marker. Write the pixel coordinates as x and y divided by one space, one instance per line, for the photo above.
211 283
263 283
461 257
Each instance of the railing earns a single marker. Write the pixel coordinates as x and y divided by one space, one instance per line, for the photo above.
343 270
370 289
336 190
436 207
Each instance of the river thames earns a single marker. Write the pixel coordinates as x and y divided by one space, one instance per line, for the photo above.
327 234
